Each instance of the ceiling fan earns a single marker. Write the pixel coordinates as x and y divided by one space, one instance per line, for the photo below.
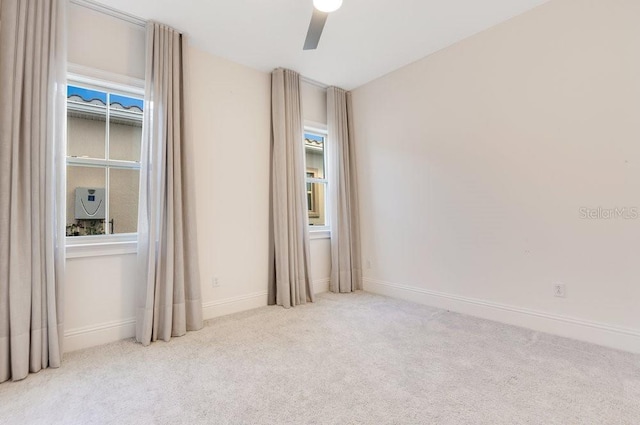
321 10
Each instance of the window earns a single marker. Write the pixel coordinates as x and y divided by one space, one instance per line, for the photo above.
316 178
104 135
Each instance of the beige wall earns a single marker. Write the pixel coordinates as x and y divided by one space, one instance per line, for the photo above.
314 103
99 41
229 108
474 163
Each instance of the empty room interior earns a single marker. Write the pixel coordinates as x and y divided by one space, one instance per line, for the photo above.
320 212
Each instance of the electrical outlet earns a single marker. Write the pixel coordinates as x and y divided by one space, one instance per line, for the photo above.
215 282
559 290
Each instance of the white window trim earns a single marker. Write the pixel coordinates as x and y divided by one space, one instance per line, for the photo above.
320 232
100 245
316 127
87 76
94 246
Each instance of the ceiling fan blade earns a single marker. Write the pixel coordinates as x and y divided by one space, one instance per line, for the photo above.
315 29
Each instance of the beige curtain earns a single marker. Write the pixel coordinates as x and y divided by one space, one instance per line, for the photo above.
32 83
346 269
170 302
292 283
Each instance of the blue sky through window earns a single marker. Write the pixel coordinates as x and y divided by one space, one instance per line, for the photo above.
89 95
313 137
126 102
86 94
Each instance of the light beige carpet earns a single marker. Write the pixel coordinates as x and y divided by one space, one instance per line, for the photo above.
347 359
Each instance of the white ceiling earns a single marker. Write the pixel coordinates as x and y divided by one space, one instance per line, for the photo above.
363 40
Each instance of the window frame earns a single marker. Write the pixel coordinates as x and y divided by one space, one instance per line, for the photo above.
319 232
107 244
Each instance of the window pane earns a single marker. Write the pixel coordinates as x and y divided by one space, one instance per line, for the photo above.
125 127
86 133
314 154
316 203
86 127
123 200
86 203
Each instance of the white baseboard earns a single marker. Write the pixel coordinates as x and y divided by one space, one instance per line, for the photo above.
90 336
249 301
103 333
232 305
596 333
321 285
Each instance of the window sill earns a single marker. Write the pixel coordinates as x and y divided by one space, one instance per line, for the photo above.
89 246
319 234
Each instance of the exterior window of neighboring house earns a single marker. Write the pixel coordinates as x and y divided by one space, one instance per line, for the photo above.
316 178
104 135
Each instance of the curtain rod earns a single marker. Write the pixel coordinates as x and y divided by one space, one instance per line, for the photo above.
314 82
306 79
99 7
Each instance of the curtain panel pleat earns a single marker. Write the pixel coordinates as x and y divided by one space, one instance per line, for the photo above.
32 149
170 302
291 284
346 269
